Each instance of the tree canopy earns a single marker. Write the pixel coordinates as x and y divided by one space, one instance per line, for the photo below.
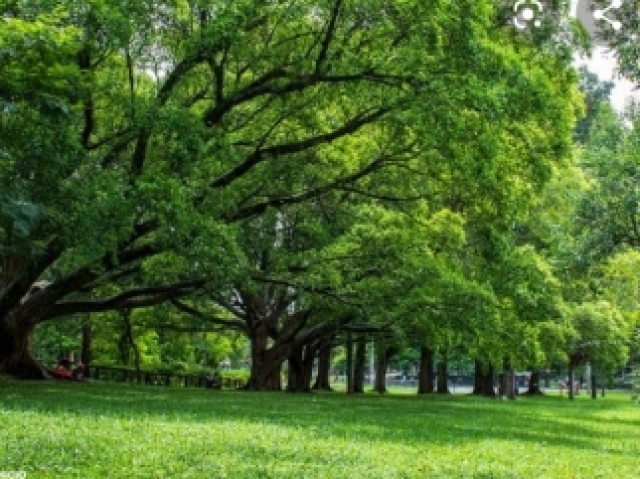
289 171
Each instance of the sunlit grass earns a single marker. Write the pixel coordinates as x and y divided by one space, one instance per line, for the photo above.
60 430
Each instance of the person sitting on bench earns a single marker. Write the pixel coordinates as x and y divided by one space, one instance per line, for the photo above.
213 381
63 370
78 372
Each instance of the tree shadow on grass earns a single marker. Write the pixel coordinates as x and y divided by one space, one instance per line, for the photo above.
407 420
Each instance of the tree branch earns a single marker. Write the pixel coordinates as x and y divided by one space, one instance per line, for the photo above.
236 324
84 63
278 202
177 74
259 155
12 294
134 298
265 85
375 196
329 35
322 291
104 141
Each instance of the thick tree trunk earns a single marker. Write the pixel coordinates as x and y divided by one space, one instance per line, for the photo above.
534 384
265 376
477 378
17 282
483 380
508 380
294 370
265 367
425 375
443 375
16 358
300 369
570 386
380 384
383 356
488 386
360 365
130 342
324 367
349 365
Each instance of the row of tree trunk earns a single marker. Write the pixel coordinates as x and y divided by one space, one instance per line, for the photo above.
301 357
301 360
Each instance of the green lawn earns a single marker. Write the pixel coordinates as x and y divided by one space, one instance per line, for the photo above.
66 430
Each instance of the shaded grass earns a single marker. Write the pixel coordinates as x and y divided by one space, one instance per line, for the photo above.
60 430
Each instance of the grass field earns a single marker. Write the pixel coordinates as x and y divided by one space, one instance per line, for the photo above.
92 430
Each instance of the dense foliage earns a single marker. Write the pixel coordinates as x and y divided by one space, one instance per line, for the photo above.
190 177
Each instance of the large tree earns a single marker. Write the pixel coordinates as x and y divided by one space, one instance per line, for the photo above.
153 130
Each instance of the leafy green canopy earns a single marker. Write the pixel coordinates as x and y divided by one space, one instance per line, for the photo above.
189 120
